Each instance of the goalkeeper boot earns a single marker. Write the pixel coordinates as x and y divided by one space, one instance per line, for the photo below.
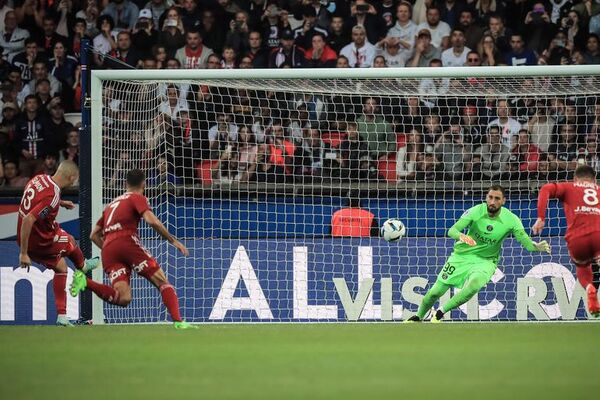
412 320
184 325
437 317
592 298
79 283
91 264
62 320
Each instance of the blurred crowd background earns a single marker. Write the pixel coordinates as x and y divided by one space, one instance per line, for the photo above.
203 135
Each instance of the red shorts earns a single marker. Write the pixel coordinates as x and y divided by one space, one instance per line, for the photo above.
126 254
50 255
584 249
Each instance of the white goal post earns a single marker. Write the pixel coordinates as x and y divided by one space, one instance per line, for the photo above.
247 166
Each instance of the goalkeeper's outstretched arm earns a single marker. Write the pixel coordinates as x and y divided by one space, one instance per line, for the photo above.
456 230
523 238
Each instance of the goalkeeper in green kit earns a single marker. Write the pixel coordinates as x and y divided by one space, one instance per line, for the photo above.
476 254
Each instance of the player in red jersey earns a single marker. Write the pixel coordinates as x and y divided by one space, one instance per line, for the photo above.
40 237
581 201
116 233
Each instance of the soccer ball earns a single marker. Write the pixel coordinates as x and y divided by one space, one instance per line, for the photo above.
392 230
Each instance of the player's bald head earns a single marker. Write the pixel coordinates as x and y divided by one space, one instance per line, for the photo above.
585 173
67 169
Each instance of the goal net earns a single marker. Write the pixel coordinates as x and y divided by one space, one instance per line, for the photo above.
248 167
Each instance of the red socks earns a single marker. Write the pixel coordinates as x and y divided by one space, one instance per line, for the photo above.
585 276
76 256
105 292
59 285
170 300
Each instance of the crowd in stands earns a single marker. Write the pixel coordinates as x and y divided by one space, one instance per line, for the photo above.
201 135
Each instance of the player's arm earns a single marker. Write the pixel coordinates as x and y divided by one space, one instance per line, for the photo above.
456 230
96 236
26 226
519 233
547 192
155 223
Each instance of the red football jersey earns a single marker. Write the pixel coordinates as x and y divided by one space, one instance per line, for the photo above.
581 203
41 197
122 216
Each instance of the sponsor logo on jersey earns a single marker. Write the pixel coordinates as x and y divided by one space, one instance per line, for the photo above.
482 239
116 274
587 210
490 228
140 267
113 228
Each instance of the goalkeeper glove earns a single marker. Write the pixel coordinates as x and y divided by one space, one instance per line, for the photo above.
542 246
467 240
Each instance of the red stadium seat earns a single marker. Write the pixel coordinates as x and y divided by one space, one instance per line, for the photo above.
400 140
333 139
204 171
387 169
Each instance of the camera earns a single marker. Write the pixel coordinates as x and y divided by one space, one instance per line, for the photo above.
362 7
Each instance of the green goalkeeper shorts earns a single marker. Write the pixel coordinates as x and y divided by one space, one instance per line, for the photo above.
458 269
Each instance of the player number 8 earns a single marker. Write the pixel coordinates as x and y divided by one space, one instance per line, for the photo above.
27 196
590 197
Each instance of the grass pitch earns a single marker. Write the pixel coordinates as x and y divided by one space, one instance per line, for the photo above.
318 361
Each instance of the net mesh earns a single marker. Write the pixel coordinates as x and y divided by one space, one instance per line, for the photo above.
249 172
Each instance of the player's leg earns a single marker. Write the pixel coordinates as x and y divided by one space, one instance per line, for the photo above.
118 294
59 286
476 281
430 298
73 253
585 276
583 252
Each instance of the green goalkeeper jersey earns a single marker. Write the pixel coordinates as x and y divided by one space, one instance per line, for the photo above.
489 233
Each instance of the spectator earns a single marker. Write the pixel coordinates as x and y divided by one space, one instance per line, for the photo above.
360 53
473 59
487 9
50 164
275 159
58 125
144 34
33 136
473 31
12 38
176 104
439 30
365 15
387 12
425 52
487 49
42 91
246 63
472 130
524 157
40 71
229 58
22 90
172 36
124 13
4 8
454 154
221 135
320 55
162 176
519 55
237 36
247 150
342 62
70 150
89 16
407 156
160 56
562 155
105 41
273 25
338 36
591 154
194 54
592 49
456 56
212 32
49 36
257 52
303 34
541 127
355 161
124 53
379 62
63 66
353 221
375 130
404 30
287 55
450 11
24 60
10 112
308 158
389 50
494 155
499 32
214 62
585 10
158 8
509 127
539 28
190 14
12 176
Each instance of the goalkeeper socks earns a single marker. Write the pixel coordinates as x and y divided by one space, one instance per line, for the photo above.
170 300
105 292
59 284
470 289
585 275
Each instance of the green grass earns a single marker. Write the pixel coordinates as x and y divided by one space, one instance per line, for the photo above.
343 361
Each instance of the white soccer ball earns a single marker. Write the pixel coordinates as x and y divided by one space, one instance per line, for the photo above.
393 229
